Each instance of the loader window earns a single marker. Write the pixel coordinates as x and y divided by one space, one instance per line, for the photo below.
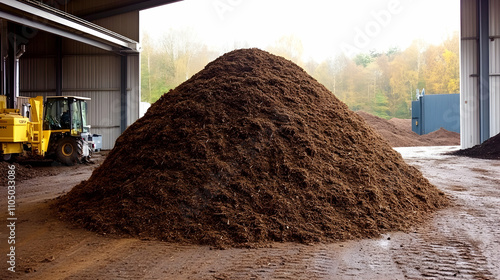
57 114
84 116
76 118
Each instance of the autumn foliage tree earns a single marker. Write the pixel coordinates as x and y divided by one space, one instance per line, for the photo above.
170 60
380 83
384 84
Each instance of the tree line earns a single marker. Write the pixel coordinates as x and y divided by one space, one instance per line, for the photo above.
380 83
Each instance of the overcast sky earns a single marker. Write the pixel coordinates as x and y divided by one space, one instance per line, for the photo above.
325 28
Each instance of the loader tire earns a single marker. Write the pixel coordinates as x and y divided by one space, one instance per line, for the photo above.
69 151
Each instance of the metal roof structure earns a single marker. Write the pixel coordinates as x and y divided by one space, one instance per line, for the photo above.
46 18
77 25
87 48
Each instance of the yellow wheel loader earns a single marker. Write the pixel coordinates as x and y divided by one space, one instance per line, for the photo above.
57 129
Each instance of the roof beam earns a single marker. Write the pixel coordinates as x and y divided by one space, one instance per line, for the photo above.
138 6
53 30
68 27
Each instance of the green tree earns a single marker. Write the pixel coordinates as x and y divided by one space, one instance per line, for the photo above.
363 59
381 105
171 60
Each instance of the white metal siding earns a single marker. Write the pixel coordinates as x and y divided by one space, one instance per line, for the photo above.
133 88
86 72
98 77
469 99
37 73
494 67
128 25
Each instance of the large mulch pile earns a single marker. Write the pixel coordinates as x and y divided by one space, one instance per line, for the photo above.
489 149
399 134
250 150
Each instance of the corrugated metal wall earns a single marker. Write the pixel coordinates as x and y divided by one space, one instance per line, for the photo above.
37 66
133 88
469 99
89 72
494 67
98 77
37 75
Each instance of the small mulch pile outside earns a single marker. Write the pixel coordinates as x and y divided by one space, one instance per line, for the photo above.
489 149
248 151
398 133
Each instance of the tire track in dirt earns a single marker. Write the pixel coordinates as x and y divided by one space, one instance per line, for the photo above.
274 263
148 260
85 258
461 242
443 253
316 260
355 260
280 262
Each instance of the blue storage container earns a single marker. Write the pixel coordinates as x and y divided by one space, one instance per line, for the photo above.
431 112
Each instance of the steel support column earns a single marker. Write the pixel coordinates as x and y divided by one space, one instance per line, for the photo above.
11 60
123 92
484 70
3 56
59 66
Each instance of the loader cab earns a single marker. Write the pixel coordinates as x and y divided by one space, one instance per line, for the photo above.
66 114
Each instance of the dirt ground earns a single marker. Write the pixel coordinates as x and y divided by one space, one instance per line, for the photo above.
459 242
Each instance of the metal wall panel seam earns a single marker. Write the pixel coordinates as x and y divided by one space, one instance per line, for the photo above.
494 67
469 123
